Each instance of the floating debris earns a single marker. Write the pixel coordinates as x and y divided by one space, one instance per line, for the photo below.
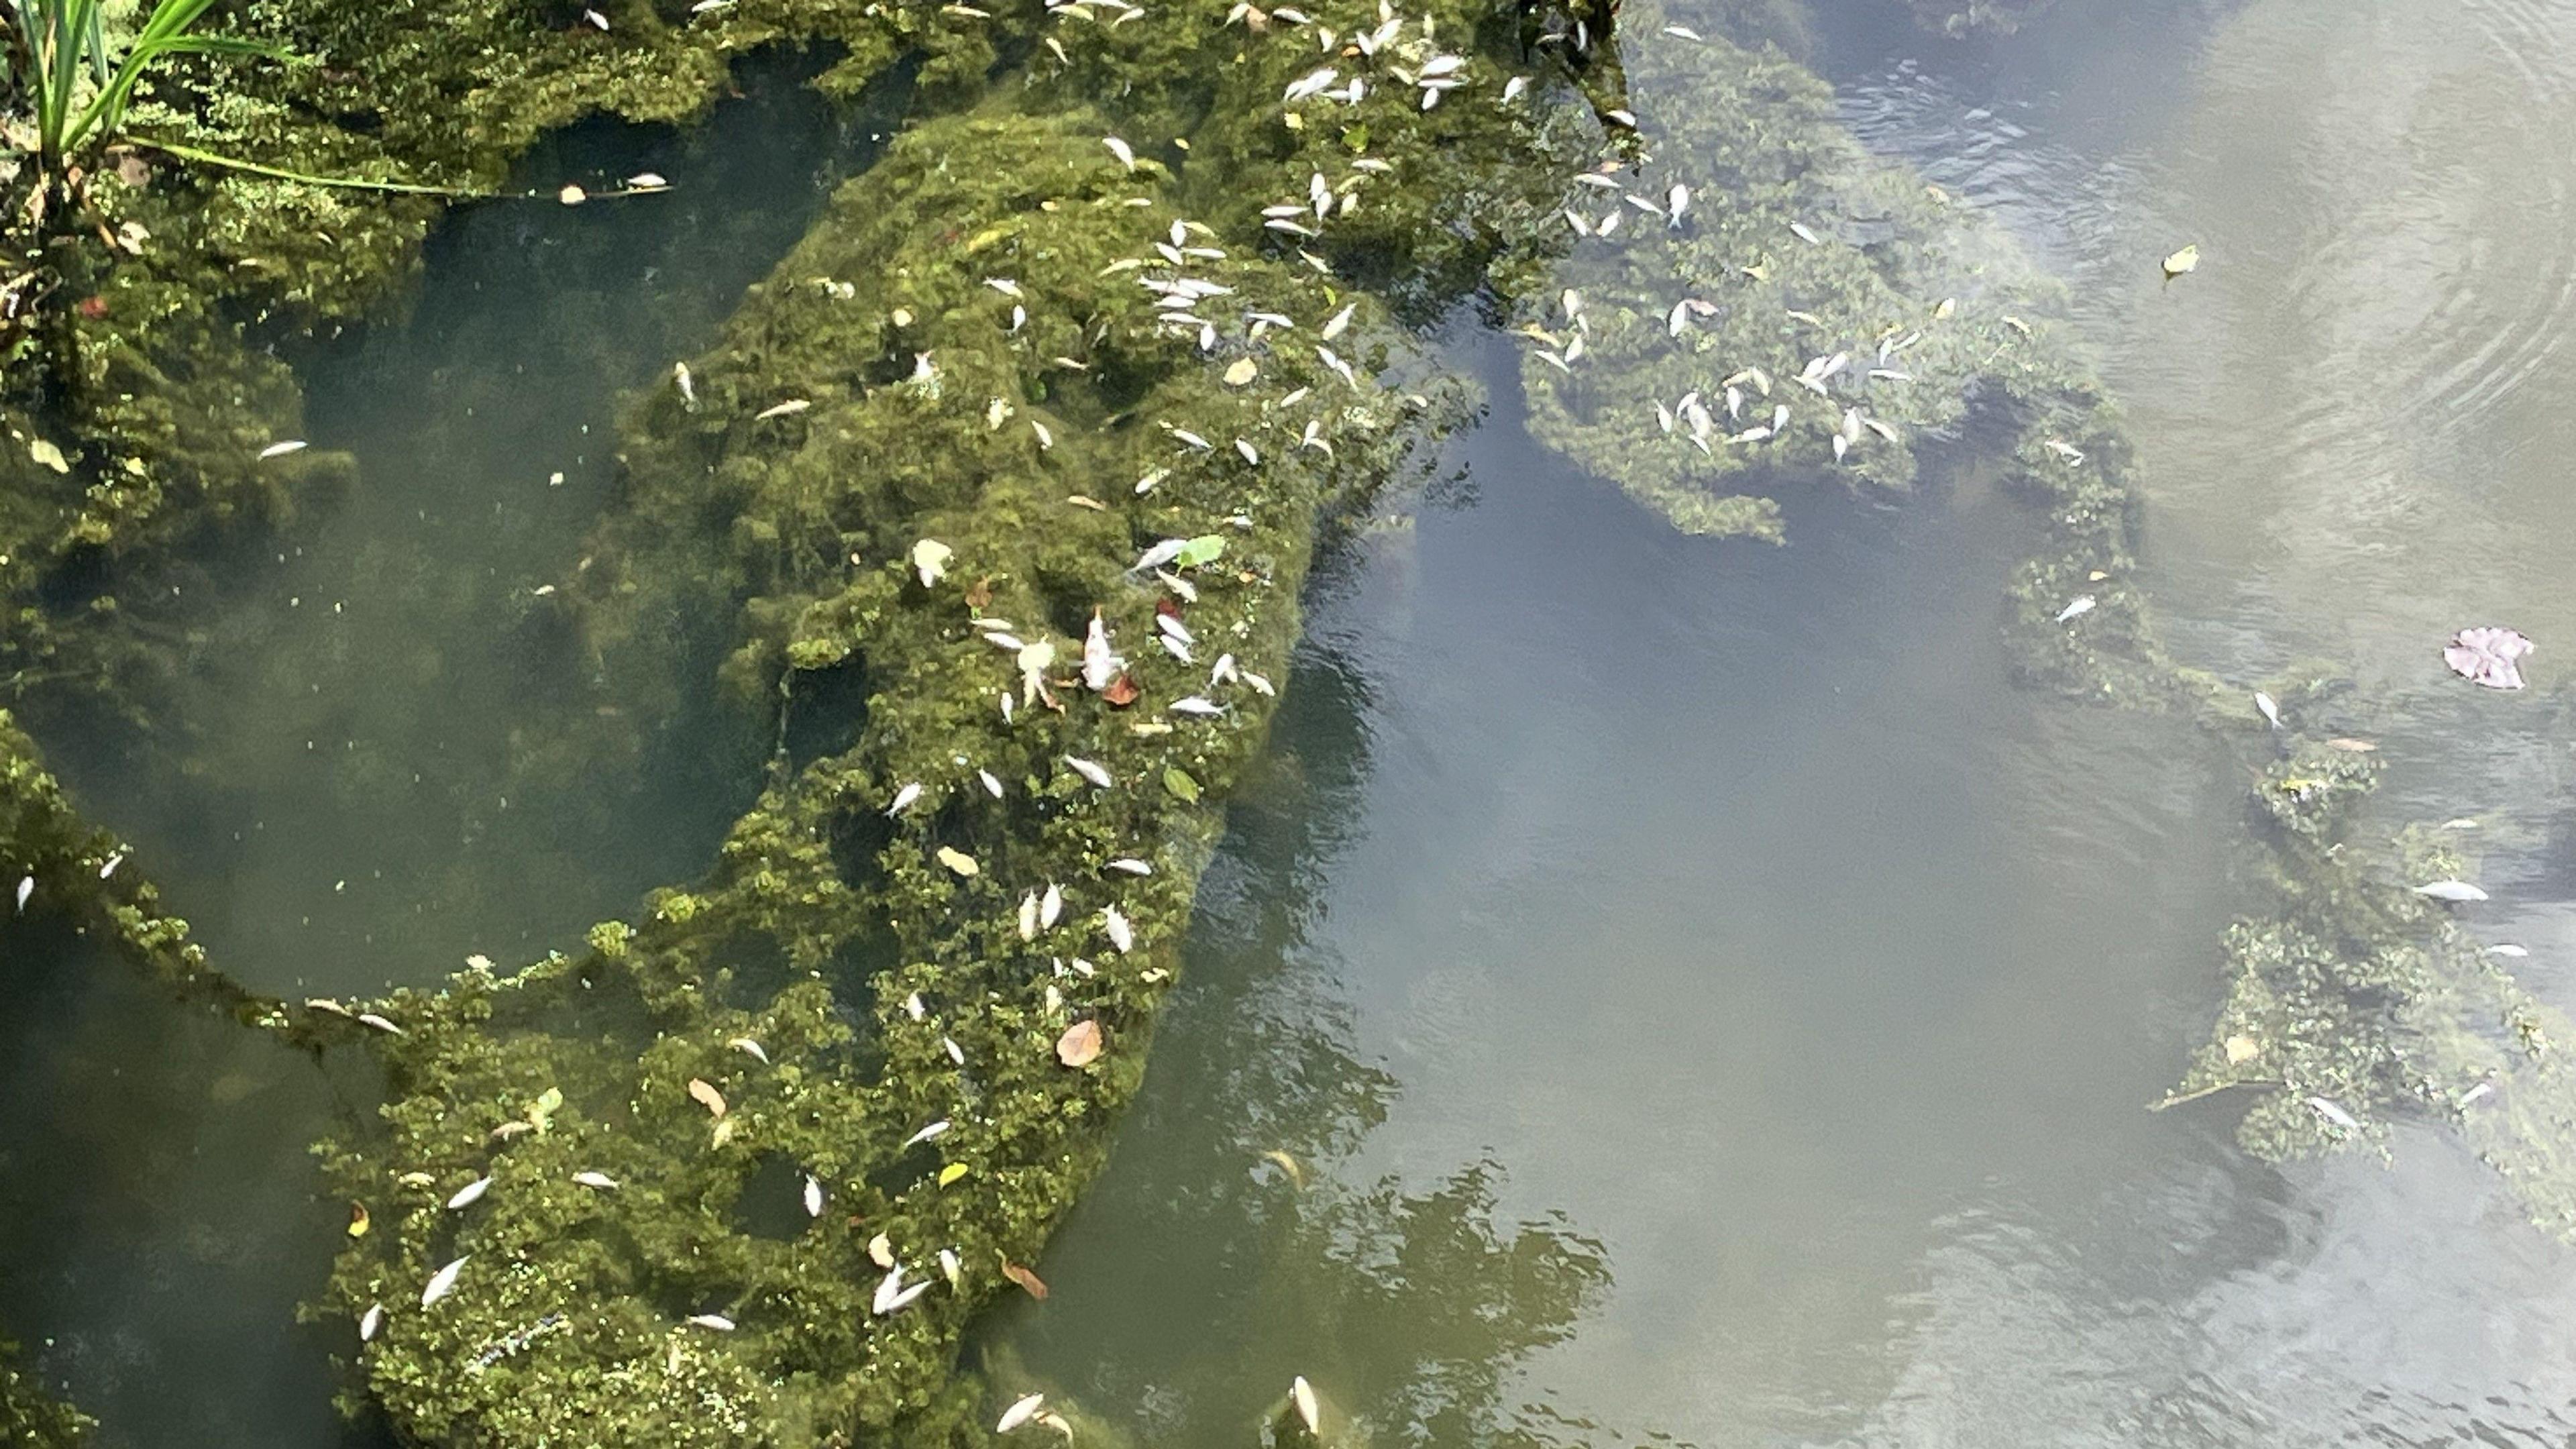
470 1194
442 1282
2488 656
1080 1044
2182 261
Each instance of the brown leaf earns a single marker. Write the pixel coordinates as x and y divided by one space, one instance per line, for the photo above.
979 593
1121 692
707 1095
1080 1044
1166 607
1034 1285
359 1222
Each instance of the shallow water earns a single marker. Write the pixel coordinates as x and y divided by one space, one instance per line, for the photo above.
1699 994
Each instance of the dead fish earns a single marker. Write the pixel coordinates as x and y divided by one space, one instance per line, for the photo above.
1125 153
904 797
599 1180
2508 951
2271 711
1130 865
2454 891
813 1196
2474 1093
280 450
688 385
992 784
1513 88
1676 202
1260 685
442 1282
949 1266
1051 906
1339 322
470 1194
369 1018
2335 1114
931 1133
1310 84
716 1321
1309 1413
26 891
2082 605
1805 233
789 408
1197 706
373 1320
1157 556
1021 1411
1029 916
1341 369
1090 771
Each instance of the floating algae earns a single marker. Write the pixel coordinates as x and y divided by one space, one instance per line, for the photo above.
31 1417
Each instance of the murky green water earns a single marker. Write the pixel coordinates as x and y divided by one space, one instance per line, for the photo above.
1697 993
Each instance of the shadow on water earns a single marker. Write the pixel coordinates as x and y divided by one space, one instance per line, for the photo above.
386 752
158 1222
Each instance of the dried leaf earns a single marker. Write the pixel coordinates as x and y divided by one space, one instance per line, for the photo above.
1242 372
1121 692
979 593
881 1251
44 452
1080 1044
1029 1282
359 1222
958 861
930 559
707 1096
2241 1049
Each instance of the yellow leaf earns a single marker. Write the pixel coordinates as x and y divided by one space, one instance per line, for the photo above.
44 451
2182 261
958 861
707 1095
359 1222
1242 372
951 1173
2241 1049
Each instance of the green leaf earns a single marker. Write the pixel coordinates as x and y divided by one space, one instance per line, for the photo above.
1207 548
1178 781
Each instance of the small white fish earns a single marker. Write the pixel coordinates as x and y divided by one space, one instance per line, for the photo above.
1029 916
2271 711
904 797
1339 322
1051 906
1260 685
750 1048
599 1180
992 783
2455 891
892 1297
950 1267
113 862
1006 286
2472 1094
931 1133
1676 202
789 408
813 1196
2082 605
442 1282
1197 705
280 450
1805 233
2335 1114
648 181
913 1008
1021 1411
716 1321
1309 1413
1122 934
597 19
1090 771
471 1193
26 892
1310 84
1341 369
2508 951
369 1018
373 1320
688 385
1125 153
956 1053
1130 865
1514 88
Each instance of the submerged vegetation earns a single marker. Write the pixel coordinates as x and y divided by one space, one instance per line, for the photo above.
29 1416
999 493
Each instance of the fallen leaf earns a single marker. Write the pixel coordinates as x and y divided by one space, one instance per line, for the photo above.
1029 1282
979 593
1080 1044
707 1095
2182 261
1182 787
951 1173
958 861
44 452
359 1222
930 559
1242 372
1207 548
1121 692
2241 1049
